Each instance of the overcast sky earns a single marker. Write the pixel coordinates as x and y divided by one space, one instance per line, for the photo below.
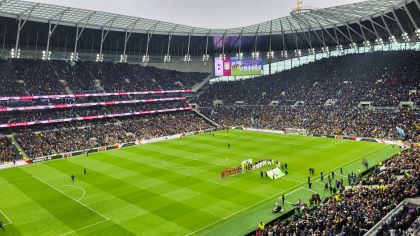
200 13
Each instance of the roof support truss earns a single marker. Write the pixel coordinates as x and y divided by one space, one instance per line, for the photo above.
79 34
128 35
51 31
189 42
398 21
335 27
169 42
308 39
105 34
306 22
21 25
410 16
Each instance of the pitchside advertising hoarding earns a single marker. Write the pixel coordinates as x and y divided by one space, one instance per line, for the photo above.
234 66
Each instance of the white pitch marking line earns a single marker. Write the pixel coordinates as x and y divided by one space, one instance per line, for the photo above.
293 191
81 203
291 180
181 167
71 186
11 222
349 162
331 144
310 190
97 223
246 208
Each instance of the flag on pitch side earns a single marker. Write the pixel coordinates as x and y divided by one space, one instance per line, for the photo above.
400 132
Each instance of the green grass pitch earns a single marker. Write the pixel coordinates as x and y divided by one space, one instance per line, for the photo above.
172 187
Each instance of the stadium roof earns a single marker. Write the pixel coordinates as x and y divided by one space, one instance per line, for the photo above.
311 19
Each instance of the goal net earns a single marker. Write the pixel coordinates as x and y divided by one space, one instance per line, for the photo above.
296 131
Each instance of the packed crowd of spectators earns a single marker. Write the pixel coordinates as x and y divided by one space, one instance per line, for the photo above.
7 150
23 77
164 125
38 77
355 210
37 115
385 78
81 100
300 95
414 228
400 222
320 120
84 135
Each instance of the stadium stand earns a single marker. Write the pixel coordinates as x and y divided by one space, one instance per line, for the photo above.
87 111
38 77
7 150
355 210
401 221
104 133
387 81
55 103
320 120
27 77
384 78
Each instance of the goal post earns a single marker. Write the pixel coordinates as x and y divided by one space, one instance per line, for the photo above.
295 131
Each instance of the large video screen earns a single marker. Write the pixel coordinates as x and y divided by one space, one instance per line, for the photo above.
234 66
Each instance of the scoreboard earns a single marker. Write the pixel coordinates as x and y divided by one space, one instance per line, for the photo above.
234 66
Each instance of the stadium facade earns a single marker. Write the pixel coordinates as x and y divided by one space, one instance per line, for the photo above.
35 30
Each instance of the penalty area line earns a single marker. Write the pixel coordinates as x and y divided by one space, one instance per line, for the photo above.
81 203
7 218
88 226
244 209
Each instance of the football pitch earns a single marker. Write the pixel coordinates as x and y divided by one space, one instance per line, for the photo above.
173 187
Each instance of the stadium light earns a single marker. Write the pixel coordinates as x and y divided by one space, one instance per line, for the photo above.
284 54
222 56
393 39
206 57
353 45
406 37
74 57
45 56
146 58
13 54
379 41
123 58
239 55
311 51
298 52
187 58
325 49
167 58
270 54
418 33
255 55
99 57
339 48
367 44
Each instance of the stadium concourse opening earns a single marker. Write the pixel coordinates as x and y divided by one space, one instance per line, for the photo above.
307 124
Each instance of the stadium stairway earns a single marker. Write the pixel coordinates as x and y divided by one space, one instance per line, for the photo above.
206 118
17 146
200 86
374 230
